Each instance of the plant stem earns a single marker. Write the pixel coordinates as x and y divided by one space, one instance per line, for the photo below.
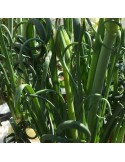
10 26
109 39
95 57
70 105
8 62
19 20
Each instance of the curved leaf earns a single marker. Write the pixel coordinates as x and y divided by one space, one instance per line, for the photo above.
74 125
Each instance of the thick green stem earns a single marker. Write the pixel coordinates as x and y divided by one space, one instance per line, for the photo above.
111 72
95 56
103 62
70 105
109 39
62 40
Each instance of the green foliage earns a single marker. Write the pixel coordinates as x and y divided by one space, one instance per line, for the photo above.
39 58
